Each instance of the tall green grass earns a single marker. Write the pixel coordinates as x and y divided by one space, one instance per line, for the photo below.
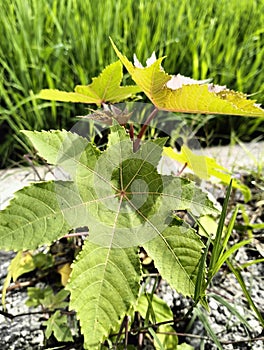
61 43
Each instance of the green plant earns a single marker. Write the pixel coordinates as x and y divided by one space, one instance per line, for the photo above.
51 43
120 196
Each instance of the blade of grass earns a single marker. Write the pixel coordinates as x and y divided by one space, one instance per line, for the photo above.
252 262
202 317
227 254
217 247
240 280
200 285
231 308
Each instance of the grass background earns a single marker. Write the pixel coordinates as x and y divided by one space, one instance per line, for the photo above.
61 43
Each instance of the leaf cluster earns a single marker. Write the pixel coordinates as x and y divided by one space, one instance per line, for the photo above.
124 201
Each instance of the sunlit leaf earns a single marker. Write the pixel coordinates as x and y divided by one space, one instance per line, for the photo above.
185 346
176 254
162 313
104 285
205 167
170 93
167 338
105 88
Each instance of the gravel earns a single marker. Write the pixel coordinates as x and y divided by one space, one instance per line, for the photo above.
25 332
20 332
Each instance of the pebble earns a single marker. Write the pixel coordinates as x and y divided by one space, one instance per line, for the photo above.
213 304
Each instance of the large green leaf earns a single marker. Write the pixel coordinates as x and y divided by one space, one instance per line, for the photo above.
104 285
176 253
35 216
125 202
177 93
120 188
64 149
105 88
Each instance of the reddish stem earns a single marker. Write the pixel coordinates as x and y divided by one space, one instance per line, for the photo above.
181 170
131 132
144 128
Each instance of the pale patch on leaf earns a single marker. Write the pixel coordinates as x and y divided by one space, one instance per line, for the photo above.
149 61
177 81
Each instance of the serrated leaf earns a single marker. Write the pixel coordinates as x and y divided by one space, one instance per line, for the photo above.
105 88
117 188
205 167
123 200
176 254
35 216
104 284
189 98
63 148
119 183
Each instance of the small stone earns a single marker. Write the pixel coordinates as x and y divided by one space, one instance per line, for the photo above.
213 304
37 338
24 333
255 325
